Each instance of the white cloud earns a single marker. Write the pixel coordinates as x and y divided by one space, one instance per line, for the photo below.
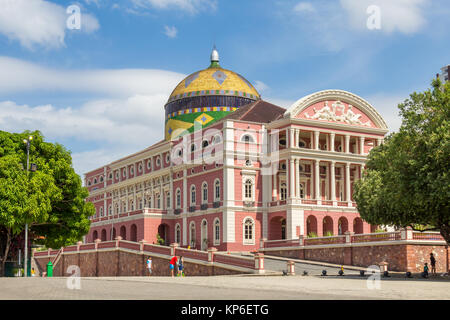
38 22
20 76
171 32
191 6
129 118
260 86
304 7
120 125
405 16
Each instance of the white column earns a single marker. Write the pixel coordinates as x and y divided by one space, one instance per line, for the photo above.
297 137
185 231
291 138
291 178
347 181
185 192
361 145
297 178
317 181
274 183
311 138
378 142
347 144
333 182
332 135
316 140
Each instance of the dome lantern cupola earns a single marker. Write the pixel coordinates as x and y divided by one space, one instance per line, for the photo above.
214 58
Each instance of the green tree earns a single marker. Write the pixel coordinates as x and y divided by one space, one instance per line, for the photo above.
51 200
407 181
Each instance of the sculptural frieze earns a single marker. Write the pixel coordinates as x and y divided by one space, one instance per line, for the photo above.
337 113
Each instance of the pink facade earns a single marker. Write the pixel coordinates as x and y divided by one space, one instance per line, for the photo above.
288 176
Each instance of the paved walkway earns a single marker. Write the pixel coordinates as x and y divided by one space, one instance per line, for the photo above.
273 287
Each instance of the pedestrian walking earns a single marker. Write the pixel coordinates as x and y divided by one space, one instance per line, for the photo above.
149 265
433 264
172 264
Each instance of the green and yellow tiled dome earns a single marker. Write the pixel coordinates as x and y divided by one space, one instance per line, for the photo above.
205 97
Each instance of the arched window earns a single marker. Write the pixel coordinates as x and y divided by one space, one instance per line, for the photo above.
217 190
205 192
158 201
95 180
178 198
249 232
101 212
205 143
283 191
192 234
193 195
248 189
133 233
123 232
177 233
110 210
247 138
216 231
103 237
95 235
149 164
193 147
168 199
101 178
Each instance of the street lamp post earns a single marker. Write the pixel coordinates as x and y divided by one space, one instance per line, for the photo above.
25 267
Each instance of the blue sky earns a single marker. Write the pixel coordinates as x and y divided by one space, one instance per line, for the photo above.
101 90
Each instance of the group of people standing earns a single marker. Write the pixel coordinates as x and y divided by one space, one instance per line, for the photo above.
175 263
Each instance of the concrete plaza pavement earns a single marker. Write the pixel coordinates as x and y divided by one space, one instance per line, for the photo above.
239 287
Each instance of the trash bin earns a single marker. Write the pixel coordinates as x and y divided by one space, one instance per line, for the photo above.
49 269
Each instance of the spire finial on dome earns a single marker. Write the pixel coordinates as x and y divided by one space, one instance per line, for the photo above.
214 58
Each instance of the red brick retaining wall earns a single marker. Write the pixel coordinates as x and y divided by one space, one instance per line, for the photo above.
400 257
119 263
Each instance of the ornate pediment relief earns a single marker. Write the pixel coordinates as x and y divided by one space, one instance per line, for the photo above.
338 112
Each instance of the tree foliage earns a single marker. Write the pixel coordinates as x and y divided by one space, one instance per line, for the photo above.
51 200
406 181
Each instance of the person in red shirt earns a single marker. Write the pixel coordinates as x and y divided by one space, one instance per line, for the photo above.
172 264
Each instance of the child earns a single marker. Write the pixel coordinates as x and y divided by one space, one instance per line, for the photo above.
180 267
425 271
149 265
